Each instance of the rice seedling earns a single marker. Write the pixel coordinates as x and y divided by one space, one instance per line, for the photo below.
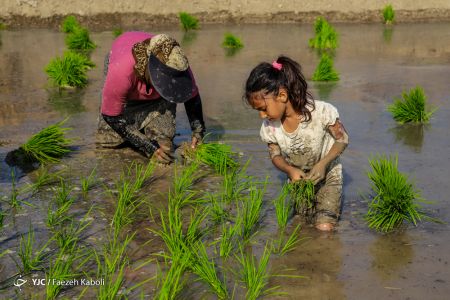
325 70
188 21
388 14
141 174
171 285
182 192
69 70
117 31
48 145
2 219
395 199
255 275
14 201
235 181
303 194
59 216
283 207
88 182
63 268
205 268
251 210
216 155
79 39
219 212
411 108
70 24
68 236
111 266
228 238
32 259
44 178
290 244
194 232
231 41
325 37
171 231
62 195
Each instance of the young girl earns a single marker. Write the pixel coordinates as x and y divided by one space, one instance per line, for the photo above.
305 137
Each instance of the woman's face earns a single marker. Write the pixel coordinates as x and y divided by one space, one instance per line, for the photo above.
270 106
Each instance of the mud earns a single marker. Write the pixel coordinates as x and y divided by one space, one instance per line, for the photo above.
351 263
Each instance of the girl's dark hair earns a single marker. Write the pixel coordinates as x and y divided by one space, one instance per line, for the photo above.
268 79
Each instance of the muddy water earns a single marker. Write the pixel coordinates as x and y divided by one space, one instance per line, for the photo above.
375 64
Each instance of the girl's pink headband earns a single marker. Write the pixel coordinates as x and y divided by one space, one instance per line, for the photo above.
277 65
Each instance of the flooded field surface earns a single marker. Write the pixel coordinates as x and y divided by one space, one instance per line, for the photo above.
375 63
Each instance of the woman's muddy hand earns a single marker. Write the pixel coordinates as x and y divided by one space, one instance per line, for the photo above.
163 155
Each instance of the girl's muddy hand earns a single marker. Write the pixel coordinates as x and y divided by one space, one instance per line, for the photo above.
317 173
296 174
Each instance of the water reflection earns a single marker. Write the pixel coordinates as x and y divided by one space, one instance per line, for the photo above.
66 101
188 38
320 260
324 89
411 135
387 33
391 254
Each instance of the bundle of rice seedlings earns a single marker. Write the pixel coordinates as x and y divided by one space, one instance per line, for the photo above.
231 41
116 32
411 108
302 193
69 70
48 145
325 70
325 37
69 24
282 207
395 199
388 14
188 22
216 155
79 39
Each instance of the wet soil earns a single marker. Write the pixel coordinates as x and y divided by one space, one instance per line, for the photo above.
376 64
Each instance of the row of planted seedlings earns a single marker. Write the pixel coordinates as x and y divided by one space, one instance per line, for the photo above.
214 244
70 70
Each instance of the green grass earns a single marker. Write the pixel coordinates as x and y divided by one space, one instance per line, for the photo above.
325 70
231 41
255 275
79 39
206 269
59 215
235 182
302 193
182 192
411 108
171 285
70 70
187 21
70 24
395 198
219 212
117 31
325 37
283 207
388 14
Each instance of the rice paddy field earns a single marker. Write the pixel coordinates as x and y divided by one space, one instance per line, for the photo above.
120 226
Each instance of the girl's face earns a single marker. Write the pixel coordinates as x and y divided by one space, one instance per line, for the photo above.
270 106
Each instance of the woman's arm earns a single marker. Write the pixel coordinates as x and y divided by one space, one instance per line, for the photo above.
194 112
